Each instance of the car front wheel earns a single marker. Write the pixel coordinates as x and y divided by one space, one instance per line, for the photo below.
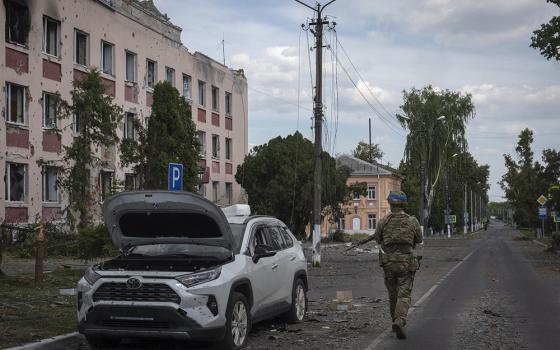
237 324
299 302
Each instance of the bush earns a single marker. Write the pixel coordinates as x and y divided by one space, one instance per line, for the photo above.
339 236
94 242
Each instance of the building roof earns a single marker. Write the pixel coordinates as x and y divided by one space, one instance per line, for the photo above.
361 167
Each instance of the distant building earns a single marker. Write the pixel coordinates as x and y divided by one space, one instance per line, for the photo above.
362 212
48 44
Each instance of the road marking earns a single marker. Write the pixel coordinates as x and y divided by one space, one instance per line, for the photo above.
422 299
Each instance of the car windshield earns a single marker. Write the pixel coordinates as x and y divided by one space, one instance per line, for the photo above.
237 230
180 250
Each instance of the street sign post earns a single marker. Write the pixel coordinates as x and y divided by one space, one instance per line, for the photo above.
542 216
175 177
451 219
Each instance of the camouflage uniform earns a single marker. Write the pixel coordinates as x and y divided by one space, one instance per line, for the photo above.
398 233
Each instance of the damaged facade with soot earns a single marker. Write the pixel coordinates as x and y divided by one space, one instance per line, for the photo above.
47 44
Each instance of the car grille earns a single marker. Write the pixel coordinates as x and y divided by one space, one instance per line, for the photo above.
148 292
135 324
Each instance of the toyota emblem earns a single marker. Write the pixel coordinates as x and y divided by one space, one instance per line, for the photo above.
133 283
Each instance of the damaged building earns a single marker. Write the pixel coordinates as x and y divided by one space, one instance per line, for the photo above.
49 43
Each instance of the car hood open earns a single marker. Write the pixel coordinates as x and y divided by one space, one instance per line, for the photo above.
157 217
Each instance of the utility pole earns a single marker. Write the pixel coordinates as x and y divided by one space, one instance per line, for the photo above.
472 213
423 184
447 221
371 155
465 212
318 126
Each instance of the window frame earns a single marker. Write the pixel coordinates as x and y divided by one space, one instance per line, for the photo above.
188 79
374 193
215 191
45 189
228 102
102 193
76 124
8 182
134 56
135 183
215 93
172 71
11 5
46 20
126 131
229 149
372 226
202 93
202 135
86 53
215 146
47 97
103 43
154 74
229 193
7 118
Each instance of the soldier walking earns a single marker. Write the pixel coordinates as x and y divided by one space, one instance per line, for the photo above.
397 234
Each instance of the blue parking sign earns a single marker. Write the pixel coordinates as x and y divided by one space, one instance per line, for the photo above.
175 177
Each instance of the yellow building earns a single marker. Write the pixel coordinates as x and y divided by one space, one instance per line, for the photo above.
362 212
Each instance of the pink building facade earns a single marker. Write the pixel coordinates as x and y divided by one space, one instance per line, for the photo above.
48 44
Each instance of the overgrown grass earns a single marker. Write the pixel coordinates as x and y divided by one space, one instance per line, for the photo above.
30 312
525 234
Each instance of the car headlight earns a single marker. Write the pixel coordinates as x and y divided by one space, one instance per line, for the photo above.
199 277
91 276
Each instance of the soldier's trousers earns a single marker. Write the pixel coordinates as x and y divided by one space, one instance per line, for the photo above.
399 280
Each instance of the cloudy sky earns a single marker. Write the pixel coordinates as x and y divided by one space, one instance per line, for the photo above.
479 47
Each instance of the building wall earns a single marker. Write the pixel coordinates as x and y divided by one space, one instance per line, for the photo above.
127 26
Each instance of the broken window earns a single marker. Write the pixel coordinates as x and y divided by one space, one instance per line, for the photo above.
49 110
107 57
187 87
131 182
50 36
130 66
216 146
16 182
50 187
106 184
150 73
16 104
170 75
228 103
129 130
17 22
80 47
228 148
202 142
215 98
201 93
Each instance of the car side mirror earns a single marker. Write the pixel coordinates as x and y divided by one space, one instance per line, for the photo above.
262 251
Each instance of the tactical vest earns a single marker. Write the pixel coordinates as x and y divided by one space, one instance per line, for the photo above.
398 230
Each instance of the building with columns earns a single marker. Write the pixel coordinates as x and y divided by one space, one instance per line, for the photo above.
47 44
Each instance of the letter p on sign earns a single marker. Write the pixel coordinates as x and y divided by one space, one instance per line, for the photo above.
175 177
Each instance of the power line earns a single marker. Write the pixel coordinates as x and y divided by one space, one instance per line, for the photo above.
280 99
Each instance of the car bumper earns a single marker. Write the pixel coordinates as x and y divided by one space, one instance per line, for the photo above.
145 321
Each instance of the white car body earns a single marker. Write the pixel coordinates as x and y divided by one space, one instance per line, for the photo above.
113 306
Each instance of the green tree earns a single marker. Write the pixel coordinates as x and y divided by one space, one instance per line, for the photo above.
547 38
366 152
278 179
97 118
170 138
436 121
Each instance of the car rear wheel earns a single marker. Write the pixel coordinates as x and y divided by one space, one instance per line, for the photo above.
102 342
299 302
238 324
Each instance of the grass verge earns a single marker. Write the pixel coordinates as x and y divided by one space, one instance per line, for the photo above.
31 312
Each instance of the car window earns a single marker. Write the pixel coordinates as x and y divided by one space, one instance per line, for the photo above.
276 237
259 238
287 238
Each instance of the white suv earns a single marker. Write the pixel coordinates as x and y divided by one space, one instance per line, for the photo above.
189 270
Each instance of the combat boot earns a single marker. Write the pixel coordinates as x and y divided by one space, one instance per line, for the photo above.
398 327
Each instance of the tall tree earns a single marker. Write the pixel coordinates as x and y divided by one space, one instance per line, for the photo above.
366 152
97 118
547 38
436 121
278 178
170 138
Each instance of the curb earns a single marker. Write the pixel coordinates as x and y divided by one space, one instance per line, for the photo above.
49 343
540 243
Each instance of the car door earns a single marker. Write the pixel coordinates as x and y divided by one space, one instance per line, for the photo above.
263 274
283 262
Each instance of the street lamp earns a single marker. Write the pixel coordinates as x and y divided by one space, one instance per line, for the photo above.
447 209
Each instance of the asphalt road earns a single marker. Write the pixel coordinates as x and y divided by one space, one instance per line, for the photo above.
494 299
